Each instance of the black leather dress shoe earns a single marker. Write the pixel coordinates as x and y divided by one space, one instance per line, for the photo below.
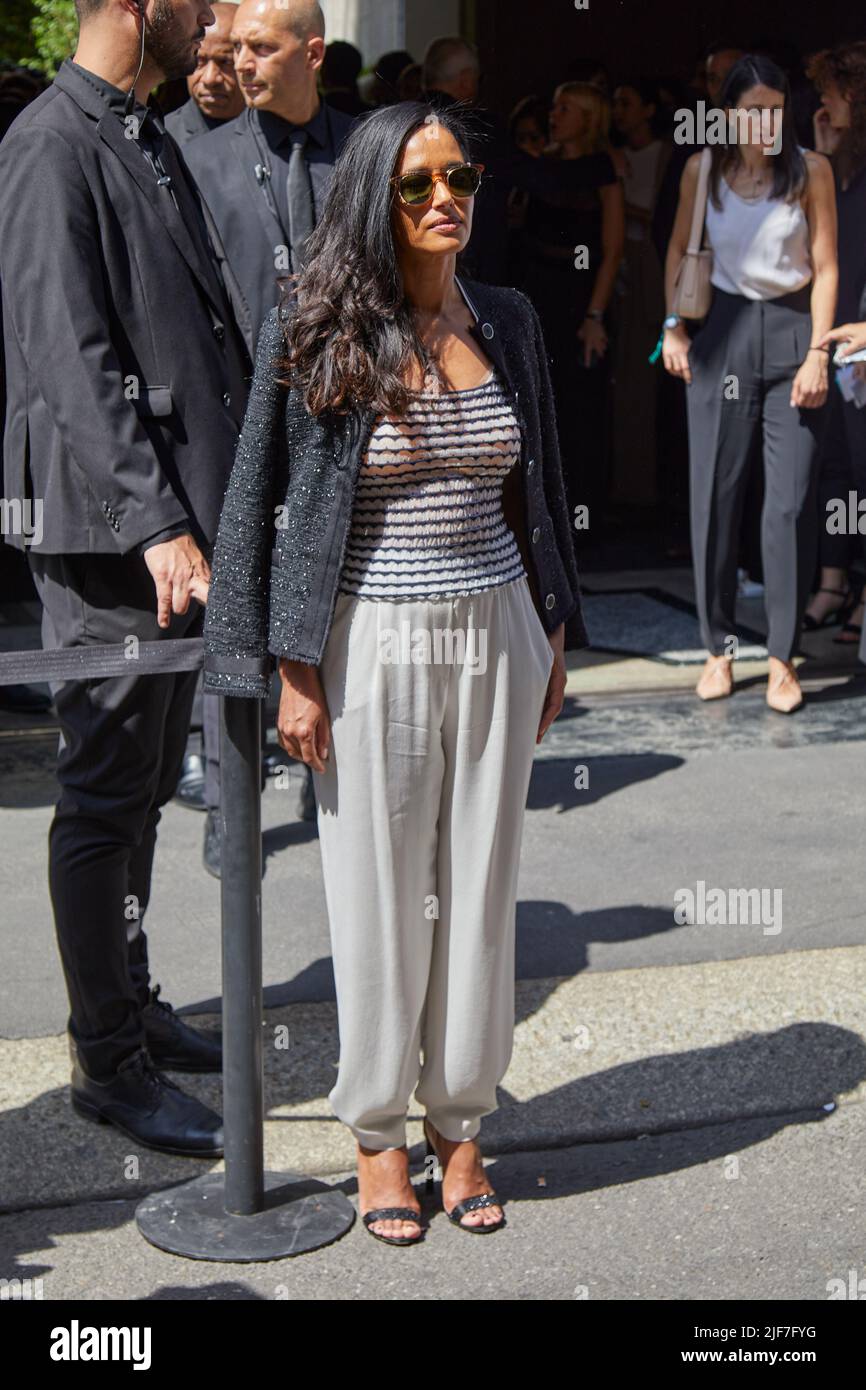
175 1046
190 785
212 845
141 1102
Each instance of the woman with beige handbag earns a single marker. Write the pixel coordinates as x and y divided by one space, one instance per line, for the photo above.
767 285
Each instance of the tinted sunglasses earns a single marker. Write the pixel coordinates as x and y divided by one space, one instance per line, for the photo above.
417 187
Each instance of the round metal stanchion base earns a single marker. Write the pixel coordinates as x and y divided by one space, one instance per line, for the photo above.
299 1214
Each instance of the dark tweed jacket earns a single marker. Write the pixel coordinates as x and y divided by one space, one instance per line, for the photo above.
288 505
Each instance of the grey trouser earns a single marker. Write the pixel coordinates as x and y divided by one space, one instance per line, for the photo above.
420 824
743 362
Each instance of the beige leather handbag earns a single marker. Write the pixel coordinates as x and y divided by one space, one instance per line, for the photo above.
692 288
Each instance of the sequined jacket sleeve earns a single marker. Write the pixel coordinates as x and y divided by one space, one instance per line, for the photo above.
236 656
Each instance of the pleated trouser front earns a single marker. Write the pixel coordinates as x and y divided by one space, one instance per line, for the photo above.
743 363
420 815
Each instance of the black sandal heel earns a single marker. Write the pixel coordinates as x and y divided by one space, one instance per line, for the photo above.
832 616
460 1209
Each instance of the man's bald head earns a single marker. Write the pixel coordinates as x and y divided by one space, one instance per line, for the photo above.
279 46
224 14
303 18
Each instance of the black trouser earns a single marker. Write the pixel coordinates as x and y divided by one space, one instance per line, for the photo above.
743 363
121 748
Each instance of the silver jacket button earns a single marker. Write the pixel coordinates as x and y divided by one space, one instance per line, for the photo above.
536 532
487 330
530 465
550 601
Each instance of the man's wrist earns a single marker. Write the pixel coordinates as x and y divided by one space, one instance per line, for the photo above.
168 533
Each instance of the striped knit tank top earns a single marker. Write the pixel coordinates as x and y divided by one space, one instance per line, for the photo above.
427 520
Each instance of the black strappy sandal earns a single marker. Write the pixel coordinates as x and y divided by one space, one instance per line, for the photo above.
832 616
395 1214
460 1209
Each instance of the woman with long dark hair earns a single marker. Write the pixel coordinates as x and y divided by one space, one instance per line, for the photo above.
756 367
840 129
395 533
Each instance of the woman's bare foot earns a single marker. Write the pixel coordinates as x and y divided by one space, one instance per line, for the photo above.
717 678
383 1181
463 1176
783 687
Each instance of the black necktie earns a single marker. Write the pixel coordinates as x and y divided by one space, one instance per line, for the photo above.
300 199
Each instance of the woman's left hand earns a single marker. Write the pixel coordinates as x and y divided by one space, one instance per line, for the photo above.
556 685
810 384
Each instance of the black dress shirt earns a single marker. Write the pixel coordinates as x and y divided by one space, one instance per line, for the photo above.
319 152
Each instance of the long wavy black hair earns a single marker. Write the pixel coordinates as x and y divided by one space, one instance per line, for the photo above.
350 333
789 165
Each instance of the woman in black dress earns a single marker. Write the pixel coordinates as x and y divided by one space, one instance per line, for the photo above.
573 255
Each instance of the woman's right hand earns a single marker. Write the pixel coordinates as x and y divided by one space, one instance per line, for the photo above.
675 353
303 721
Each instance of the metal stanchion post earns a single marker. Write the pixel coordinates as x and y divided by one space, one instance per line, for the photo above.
244 1214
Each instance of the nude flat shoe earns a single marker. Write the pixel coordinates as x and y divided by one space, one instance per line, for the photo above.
783 692
717 679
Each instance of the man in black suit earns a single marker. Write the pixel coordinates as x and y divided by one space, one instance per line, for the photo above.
265 200
127 377
214 94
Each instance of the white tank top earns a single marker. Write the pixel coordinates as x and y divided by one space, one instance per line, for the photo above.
760 247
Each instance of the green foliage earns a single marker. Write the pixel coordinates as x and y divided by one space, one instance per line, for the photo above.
55 33
38 33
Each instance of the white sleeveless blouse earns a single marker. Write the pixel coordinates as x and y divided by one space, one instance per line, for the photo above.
761 247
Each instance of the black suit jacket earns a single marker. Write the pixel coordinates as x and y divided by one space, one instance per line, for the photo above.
186 123
223 164
126 372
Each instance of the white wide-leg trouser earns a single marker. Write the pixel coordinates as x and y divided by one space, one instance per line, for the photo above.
420 817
